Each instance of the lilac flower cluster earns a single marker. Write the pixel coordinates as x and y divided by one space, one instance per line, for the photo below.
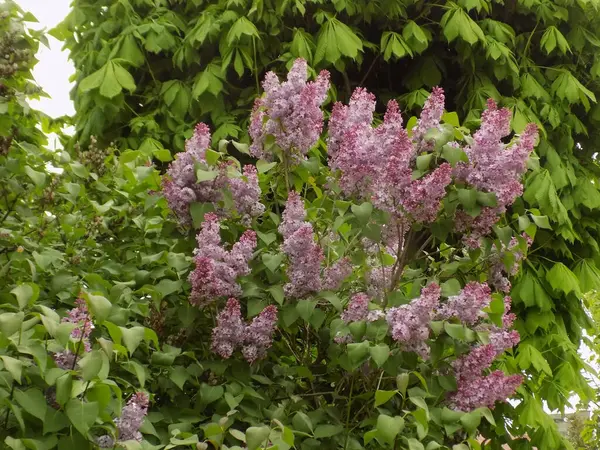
378 161
476 390
409 324
467 306
495 167
357 309
305 256
130 421
181 187
217 269
290 112
81 333
231 332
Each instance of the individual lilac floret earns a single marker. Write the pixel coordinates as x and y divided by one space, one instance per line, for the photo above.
232 332
468 305
409 324
81 333
217 269
290 112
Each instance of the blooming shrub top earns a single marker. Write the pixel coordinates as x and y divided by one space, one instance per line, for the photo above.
375 231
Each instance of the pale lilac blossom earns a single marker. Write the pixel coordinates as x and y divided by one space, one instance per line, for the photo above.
218 269
334 275
129 423
232 332
468 305
80 317
357 308
290 112
409 324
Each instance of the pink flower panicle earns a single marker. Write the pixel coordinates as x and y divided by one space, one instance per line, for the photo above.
495 167
468 305
259 334
422 198
357 309
229 332
476 390
304 254
132 417
334 275
181 188
232 332
409 324
290 112
293 215
304 262
246 193
129 423
217 269
81 333
430 116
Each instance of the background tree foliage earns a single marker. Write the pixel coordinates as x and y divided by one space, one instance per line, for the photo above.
147 71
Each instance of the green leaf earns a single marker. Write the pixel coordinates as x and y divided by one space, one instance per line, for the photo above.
358 352
413 444
263 166
271 261
198 210
325 431
306 308
38 178
64 387
92 81
467 197
13 366
380 353
456 331
206 175
542 222
388 428
100 307
454 155
362 212
10 323
26 293
256 436
277 293
450 287
91 364
124 77
562 279
424 161
82 414
132 337
209 394
32 401
382 397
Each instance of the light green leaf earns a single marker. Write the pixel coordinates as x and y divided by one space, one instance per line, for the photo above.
81 414
380 353
26 293
32 401
382 397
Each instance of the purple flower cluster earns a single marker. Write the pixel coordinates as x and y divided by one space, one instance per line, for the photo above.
334 275
81 333
305 255
409 324
357 309
290 112
128 425
475 389
467 306
494 166
231 332
217 269
181 187
378 161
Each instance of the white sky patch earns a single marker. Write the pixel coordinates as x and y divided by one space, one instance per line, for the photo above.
53 70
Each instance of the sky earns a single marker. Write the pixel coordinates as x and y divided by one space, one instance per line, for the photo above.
53 69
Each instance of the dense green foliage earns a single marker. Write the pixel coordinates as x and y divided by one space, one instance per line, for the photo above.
201 60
